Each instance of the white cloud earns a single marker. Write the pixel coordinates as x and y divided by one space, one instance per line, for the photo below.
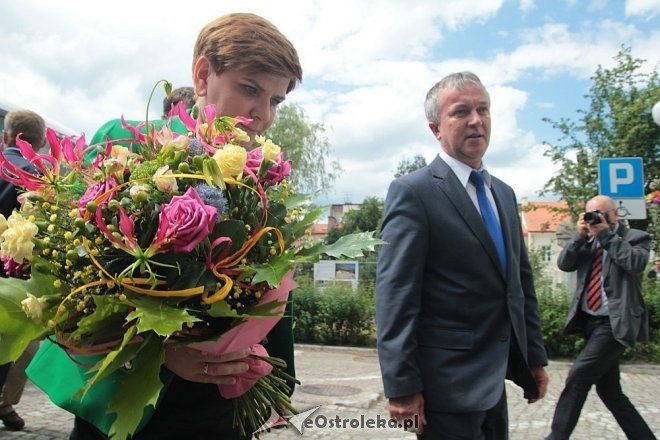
367 68
646 8
526 5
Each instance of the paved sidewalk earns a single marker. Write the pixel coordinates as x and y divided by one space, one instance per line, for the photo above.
346 382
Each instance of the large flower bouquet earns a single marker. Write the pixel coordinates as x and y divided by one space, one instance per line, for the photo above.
181 239
653 203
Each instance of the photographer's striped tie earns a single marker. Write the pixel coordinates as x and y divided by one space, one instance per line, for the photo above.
594 284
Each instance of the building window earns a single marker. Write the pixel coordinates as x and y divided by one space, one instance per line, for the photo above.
546 253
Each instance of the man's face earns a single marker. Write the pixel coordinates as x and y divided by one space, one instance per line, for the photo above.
238 92
605 207
464 130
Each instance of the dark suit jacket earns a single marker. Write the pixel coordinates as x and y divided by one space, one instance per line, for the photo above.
627 256
8 201
450 321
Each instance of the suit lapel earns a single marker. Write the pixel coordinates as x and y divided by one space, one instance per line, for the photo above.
457 195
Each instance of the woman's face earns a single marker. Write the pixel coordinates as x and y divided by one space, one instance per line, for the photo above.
239 92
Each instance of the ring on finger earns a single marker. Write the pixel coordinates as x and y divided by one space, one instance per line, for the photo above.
205 370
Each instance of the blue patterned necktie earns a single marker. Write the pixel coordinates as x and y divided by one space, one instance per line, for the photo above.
488 216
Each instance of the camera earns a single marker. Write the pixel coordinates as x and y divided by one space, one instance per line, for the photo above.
592 217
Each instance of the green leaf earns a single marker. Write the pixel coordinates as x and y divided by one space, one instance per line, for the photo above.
138 390
16 329
297 200
109 313
234 229
221 309
353 245
156 315
274 270
310 217
112 361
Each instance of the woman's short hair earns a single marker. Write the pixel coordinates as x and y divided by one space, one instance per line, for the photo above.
244 40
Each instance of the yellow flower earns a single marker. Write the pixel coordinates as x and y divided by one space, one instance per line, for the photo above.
17 239
231 159
3 224
33 307
270 150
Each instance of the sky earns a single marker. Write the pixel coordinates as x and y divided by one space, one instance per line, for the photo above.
367 66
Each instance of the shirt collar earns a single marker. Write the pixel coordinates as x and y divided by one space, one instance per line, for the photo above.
462 170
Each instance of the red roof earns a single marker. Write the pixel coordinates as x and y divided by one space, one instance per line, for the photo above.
319 229
543 216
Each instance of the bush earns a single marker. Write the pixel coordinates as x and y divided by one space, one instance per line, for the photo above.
553 310
649 352
335 316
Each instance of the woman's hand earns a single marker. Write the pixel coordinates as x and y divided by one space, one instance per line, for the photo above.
198 366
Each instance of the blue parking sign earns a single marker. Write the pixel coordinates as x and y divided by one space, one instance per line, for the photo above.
621 177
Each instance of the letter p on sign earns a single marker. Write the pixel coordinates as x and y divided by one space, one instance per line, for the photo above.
621 177
620 174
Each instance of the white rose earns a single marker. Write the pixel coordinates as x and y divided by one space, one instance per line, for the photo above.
17 239
33 307
164 183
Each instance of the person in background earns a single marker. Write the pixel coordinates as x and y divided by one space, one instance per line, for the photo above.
608 310
180 94
32 128
456 309
244 66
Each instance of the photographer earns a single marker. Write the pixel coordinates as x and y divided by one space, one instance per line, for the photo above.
608 309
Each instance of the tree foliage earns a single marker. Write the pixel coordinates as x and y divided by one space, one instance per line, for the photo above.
365 219
618 123
307 146
409 165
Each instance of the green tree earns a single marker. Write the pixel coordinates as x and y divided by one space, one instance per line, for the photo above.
409 165
306 145
618 123
365 219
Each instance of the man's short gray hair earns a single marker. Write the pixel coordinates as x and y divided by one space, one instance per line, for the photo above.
453 81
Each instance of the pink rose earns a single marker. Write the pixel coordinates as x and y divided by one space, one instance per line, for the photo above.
275 173
95 191
185 221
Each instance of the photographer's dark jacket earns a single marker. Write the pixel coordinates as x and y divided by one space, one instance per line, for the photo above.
627 256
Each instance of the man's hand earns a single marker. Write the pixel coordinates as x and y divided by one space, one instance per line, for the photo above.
594 230
582 227
409 408
542 380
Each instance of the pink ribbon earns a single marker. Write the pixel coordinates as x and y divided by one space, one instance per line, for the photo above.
248 334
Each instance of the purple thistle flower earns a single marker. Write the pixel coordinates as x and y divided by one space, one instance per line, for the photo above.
195 147
212 196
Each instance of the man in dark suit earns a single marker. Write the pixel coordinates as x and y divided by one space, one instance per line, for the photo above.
608 309
456 309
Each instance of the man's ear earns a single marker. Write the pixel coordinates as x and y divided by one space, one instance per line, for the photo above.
201 73
5 137
434 129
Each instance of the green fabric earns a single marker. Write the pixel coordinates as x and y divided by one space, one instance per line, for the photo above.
57 375
60 378
114 130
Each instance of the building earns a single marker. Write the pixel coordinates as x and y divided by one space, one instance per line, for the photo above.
540 222
337 213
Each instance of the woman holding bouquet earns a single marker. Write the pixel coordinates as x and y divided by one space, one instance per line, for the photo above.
244 66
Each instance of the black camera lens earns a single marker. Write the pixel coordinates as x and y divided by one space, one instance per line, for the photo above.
592 217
